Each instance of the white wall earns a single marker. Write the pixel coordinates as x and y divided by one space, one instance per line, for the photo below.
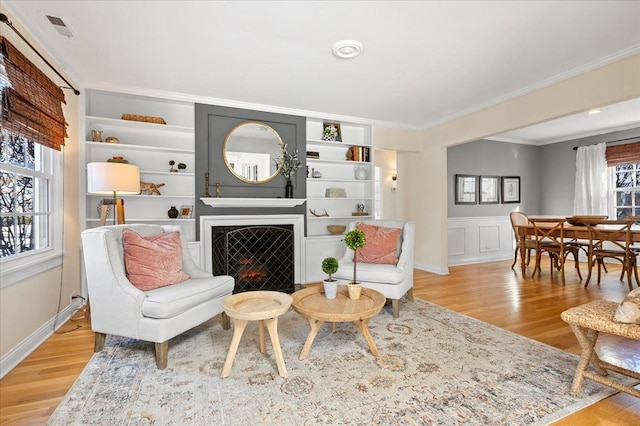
28 308
386 160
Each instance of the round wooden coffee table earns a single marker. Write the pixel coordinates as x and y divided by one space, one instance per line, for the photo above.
311 304
262 306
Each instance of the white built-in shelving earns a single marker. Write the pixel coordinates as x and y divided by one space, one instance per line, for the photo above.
150 146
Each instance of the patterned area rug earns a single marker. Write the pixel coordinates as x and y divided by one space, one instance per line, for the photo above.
436 367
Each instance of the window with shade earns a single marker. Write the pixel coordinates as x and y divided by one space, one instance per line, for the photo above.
624 162
32 131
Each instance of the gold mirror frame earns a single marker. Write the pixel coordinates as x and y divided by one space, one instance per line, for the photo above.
234 168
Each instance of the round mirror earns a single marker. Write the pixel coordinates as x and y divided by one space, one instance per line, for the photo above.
250 150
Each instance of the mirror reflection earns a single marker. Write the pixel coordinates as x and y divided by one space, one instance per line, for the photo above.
250 150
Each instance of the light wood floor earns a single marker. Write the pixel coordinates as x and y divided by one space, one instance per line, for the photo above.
491 292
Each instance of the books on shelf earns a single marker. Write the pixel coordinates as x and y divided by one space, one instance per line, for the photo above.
315 155
359 153
335 193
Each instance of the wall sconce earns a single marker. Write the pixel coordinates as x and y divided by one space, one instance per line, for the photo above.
394 178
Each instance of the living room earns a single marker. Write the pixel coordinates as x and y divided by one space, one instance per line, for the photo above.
424 175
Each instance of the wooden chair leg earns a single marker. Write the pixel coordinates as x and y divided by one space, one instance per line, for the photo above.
98 343
226 321
395 304
162 354
409 294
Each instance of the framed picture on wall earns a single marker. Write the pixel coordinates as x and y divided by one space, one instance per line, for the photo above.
466 189
510 189
489 189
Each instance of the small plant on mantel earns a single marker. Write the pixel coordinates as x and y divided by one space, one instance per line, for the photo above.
355 240
182 167
172 169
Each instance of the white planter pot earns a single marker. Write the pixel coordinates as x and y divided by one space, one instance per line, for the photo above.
330 288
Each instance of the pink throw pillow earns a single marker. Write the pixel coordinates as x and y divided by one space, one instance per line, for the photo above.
154 261
381 245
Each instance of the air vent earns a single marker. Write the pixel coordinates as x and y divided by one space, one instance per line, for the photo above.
60 26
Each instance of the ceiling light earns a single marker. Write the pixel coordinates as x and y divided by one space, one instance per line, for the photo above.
346 49
594 111
60 26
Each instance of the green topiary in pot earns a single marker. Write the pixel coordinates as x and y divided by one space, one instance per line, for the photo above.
355 240
330 267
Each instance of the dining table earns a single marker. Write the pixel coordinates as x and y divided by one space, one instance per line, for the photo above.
575 231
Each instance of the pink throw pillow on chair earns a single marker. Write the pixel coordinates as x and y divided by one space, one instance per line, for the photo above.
153 261
381 245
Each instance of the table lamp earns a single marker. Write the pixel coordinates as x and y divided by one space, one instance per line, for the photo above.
112 179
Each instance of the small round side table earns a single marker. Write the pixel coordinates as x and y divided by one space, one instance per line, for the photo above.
262 306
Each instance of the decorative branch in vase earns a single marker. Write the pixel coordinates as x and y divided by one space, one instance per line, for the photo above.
288 165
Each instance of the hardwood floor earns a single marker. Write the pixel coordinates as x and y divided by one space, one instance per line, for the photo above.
490 292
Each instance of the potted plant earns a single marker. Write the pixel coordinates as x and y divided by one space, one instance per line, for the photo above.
181 167
330 266
288 165
172 169
355 240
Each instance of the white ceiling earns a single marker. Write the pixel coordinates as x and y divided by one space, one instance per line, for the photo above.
423 63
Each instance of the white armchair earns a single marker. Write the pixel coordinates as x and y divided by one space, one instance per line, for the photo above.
119 308
393 281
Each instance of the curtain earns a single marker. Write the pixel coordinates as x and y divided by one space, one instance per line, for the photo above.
31 102
592 192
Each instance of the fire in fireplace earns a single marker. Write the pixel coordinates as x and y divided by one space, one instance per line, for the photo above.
258 257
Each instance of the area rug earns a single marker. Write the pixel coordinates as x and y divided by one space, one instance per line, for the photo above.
436 367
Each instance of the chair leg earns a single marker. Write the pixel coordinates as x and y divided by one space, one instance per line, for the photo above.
515 258
395 304
409 294
98 343
226 321
162 354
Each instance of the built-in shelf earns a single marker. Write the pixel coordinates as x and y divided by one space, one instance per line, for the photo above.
252 202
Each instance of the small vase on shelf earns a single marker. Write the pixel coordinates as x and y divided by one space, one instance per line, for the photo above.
288 189
172 212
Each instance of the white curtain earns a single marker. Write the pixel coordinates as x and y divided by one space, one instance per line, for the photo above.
592 192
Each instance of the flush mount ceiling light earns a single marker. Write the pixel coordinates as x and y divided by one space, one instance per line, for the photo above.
594 111
346 49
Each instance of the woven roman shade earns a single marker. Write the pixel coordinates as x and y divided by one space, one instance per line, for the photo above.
31 102
628 153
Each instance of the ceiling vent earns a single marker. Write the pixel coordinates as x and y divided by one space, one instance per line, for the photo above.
60 26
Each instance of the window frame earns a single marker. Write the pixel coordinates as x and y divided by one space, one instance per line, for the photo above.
21 266
613 207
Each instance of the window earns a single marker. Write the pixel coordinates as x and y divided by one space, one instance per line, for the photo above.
626 200
30 218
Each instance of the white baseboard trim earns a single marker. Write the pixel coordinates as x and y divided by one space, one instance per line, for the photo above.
17 354
427 268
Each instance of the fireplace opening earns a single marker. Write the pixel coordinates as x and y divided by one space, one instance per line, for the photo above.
258 257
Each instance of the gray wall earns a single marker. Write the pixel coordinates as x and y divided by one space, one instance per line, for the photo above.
485 157
547 173
212 124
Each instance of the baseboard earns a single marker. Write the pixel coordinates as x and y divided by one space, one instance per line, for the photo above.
427 268
17 354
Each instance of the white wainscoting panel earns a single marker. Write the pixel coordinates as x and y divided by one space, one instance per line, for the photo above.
479 239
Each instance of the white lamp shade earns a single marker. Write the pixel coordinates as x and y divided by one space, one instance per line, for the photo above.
107 178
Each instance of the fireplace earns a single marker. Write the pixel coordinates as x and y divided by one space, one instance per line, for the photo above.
258 257
261 252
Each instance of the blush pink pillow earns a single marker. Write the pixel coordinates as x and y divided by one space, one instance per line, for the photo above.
154 261
381 246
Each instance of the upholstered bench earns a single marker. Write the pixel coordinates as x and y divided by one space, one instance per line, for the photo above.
587 321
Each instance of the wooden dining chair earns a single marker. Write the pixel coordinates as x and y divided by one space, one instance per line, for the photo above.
549 237
521 219
611 239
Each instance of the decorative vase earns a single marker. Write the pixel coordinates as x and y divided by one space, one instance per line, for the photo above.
355 289
330 288
172 212
288 189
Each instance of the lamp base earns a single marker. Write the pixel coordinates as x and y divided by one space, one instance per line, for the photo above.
118 213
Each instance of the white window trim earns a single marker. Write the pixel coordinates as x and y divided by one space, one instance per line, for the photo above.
22 266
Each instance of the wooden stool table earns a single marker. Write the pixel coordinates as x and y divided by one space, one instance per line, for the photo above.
313 305
262 306
587 321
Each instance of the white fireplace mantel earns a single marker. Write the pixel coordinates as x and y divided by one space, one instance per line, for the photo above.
252 202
